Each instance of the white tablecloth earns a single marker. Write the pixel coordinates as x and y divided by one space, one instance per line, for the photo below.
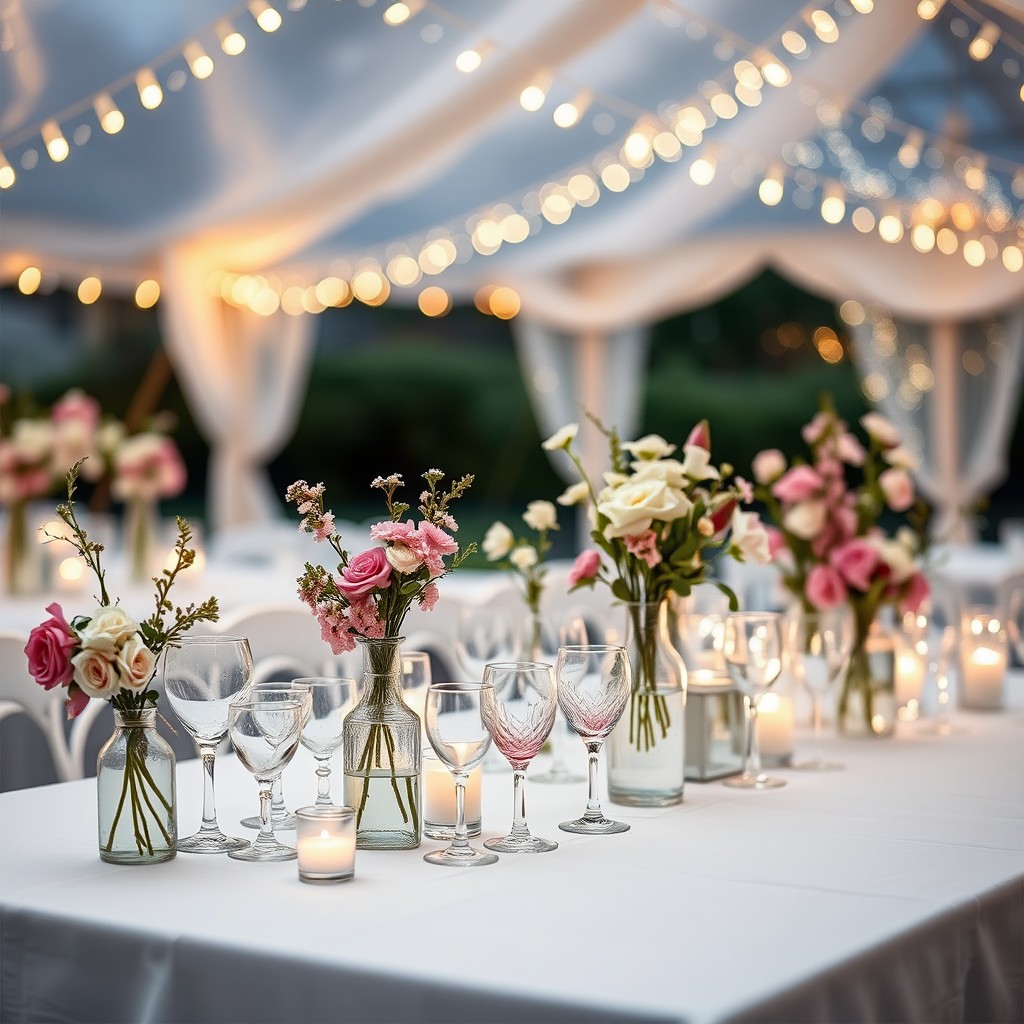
893 890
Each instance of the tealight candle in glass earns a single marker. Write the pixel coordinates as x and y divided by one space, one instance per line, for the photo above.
984 655
439 809
325 842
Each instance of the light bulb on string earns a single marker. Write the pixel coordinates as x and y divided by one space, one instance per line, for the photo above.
702 170
773 71
980 47
470 59
823 25
909 154
107 113
7 174
568 114
401 12
833 203
53 138
533 95
771 189
232 42
199 61
266 16
150 93
927 9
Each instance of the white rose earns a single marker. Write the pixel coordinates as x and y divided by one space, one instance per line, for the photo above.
96 674
561 438
135 663
880 429
523 557
402 558
750 538
805 519
497 542
896 555
541 515
669 470
110 436
631 508
696 464
768 465
577 494
108 630
652 446
613 480
908 538
902 458
32 439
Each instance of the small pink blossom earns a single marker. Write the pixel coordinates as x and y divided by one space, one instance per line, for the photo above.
401 533
768 465
644 546
916 594
850 450
746 489
324 528
797 484
429 596
825 588
814 430
433 544
856 561
334 630
363 618
585 568
776 541
368 570
898 488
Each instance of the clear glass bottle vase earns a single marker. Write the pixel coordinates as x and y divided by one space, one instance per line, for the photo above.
647 749
867 691
382 752
136 807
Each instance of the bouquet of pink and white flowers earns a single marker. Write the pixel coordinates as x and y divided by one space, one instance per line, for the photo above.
109 654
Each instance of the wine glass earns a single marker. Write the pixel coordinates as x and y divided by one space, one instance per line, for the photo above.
279 689
265 735
456 730
331 698
519 710
945 669
819 644
1015 620
570 633
201 676
752 647
594 684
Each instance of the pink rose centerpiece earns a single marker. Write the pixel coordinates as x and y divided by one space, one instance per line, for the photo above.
849 530
659 522
366 599
110 655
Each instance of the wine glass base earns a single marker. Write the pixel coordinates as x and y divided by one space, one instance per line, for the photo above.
754 782
817 764
557 777
520 844
466 857
593 826
269 851
285 823
211 842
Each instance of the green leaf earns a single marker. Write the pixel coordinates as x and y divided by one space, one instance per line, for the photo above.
620 590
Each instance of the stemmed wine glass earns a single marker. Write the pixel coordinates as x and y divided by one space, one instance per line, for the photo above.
570 633
270 690
519 711
1015 620
265 735
594 684
752 647
331 698
819 644
946 672
202 675
456 730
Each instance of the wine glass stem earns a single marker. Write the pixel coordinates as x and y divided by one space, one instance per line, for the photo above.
323 782
461 840
278 808
593 803
753 750
519 826
208 753
266 813
816 723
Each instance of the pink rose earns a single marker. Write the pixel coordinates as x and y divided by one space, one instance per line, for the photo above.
825 588
916 594
768 465
797 484
76 701
856 561
898 488
585 568
49 650
367 570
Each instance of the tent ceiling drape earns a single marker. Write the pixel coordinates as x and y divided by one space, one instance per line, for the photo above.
337 142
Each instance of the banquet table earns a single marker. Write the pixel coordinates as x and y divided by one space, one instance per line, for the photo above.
891 890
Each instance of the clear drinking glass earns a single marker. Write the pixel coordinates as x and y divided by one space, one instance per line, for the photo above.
752 647
331 698
416 677
202 675
594 685
571 633
944 669
1015 620
519 711
278 689
456 730
265 735
819 645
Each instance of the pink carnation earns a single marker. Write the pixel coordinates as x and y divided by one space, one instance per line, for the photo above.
334 630
797 484
644 545
432 543
429 596
585 568
363 618
368 570
825 588
856 561
401 533
813 431
49 650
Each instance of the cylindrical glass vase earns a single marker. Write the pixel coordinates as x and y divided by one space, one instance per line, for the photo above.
867 692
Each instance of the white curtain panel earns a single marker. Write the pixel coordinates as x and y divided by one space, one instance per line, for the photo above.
954 391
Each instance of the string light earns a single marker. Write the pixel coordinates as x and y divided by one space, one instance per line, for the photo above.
89 290
7 175
568 114
533 96
927 9
150 93
770 190
200 63
774 71
470 59
266 16
823 25
702 170
980 47
833 203
400 13
107 113
56 145
232 42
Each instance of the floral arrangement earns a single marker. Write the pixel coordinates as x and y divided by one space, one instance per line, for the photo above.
658 524
147 467
523 557
110 655
828 537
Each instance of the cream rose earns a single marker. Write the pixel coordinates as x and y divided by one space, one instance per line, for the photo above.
577 494
523 557
561 438
108 630
402 558
541 515
902 458
135 663
96 674
652 446
669 470
805 519
696 464
750 538
497 542
897 556
878 427
631 508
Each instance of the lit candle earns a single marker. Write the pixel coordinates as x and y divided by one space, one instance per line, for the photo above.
325 842
984 672
439 809
910 671
775 723
71 574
